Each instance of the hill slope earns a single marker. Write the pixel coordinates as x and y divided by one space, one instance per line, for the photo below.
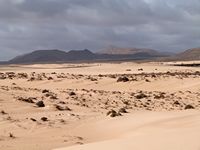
40 56
190 54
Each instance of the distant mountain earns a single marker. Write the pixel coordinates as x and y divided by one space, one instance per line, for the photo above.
129 51
40 56
53 56
77 55
190 54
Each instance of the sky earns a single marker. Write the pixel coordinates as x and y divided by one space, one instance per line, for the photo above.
164 25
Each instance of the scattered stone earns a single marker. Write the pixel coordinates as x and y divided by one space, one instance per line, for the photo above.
176 103
92 79
112 76
141 95
31 79
53 97
44 119
62 102
122 79
113 113
3 112
122 110
72 93
11 135
40 104
34 120
62 108
189 106
28 100
128 69
62 121
49 78
147 80
140 69
45 91
160 96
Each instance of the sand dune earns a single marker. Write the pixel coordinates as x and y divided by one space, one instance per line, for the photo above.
128 105
156 131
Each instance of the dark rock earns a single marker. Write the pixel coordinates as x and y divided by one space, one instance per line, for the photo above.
147 80
40 104
122 79
45 91
53 97
3 112
33 119
141 95
11 135
176 103
113 113
44 119
28 100
62 108
160 96
189 107
140 69
122 110
72 93
49 78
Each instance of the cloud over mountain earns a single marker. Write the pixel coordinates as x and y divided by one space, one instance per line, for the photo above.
27 25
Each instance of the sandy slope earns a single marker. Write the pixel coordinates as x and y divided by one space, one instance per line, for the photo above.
145 130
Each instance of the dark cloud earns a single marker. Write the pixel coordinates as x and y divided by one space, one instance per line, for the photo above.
27 25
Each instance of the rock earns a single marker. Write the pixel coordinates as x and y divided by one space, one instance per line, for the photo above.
28 100
45 91
11 135
62 108
141 95
113 113
53 97
122 110
22 75
49 78
62 102
33 119
160 96
72 93
147 80
128 69
31 79
40 104
122 79
176 103
140 69
44 119
189 106
3 112
93 79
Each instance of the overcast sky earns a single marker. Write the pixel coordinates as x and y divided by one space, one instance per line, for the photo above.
167 25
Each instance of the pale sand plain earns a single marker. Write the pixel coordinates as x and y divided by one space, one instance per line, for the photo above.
154 106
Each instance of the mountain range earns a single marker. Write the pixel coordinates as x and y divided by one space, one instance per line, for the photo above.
49 56
113 53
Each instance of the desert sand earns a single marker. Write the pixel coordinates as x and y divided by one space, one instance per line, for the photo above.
86 106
